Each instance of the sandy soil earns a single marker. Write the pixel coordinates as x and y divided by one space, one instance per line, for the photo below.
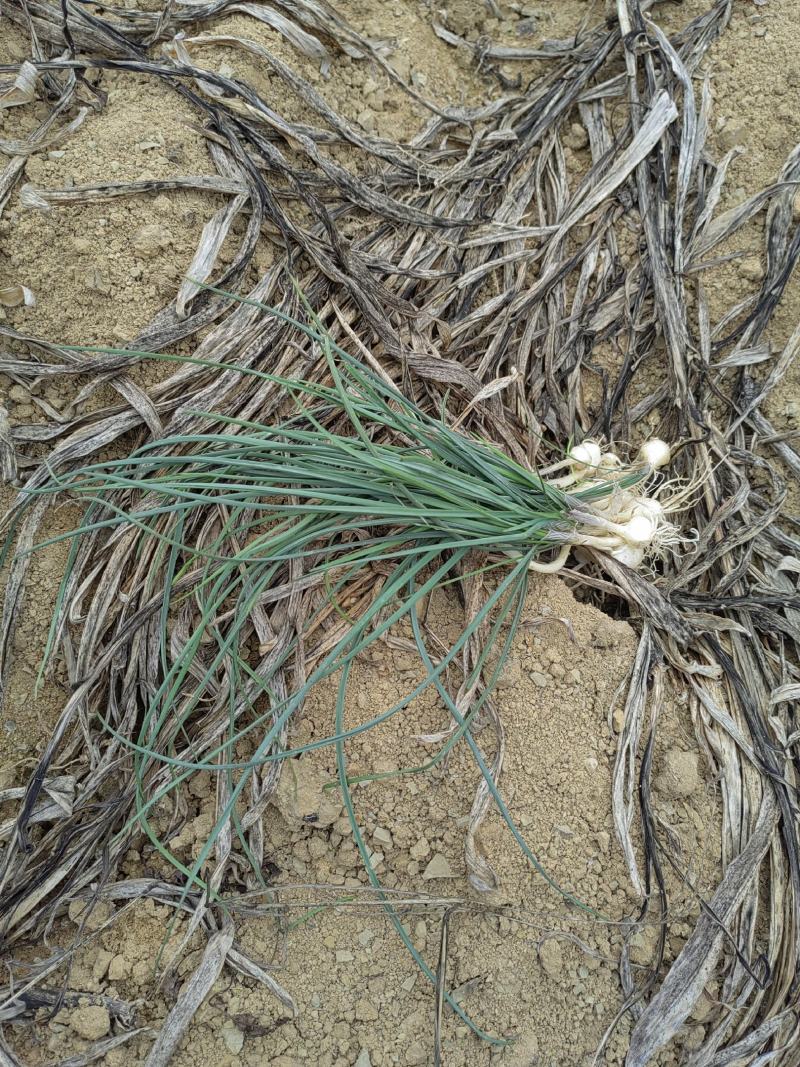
523 964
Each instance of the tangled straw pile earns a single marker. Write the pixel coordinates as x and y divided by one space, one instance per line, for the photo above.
478 259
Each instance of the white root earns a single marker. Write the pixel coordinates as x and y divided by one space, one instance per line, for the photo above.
553 565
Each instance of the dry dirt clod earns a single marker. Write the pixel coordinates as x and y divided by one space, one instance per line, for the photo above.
416 1053
702 1008
119 968
90 914
91 1022
606 634
577 138
552 958
420 849
733 134
680 775
643 944
151 240
750 268
301 797
101 963
510 675
694 1038
366 1010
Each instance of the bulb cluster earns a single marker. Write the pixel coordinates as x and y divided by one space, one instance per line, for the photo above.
629 524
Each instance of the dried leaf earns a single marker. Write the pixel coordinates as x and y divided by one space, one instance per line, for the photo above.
8 455
15 295
22 90
692 970
192 996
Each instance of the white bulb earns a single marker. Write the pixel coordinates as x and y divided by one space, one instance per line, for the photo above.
630 555
587 454
648 505
610 461
639 531
655 453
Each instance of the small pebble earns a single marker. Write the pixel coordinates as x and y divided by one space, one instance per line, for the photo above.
233 1038
439 867
421 935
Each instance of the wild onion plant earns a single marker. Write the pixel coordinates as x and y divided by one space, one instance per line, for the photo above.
355 496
